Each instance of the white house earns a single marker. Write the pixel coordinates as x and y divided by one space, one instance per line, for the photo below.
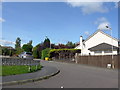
98 43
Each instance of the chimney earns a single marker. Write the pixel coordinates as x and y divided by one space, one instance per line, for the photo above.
81 44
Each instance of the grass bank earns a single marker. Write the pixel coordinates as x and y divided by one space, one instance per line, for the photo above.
14 70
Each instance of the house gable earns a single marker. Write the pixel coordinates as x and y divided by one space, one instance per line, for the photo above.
98 38
102 33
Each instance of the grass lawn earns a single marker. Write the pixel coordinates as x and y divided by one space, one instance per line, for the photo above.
14 70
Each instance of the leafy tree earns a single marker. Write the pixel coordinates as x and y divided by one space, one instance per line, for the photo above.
18 43
0 50
30 42
27 47
60 46
18 46
70 45
37 50
5 51
53 46
19 50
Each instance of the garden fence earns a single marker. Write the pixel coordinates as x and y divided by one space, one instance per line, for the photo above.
99 61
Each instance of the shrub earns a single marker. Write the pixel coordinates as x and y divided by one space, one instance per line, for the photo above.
19 50
35 52
45 53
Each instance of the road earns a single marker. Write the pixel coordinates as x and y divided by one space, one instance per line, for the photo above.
75 76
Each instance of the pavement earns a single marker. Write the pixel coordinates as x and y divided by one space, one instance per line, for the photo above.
44 73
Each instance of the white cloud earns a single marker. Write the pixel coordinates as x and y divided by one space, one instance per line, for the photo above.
102 22
5 42
89 7
2 20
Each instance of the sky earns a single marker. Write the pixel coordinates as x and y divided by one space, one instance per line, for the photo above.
59 21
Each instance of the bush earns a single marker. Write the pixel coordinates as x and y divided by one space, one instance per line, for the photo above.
35 52
56 52
5 51
19 50
45 53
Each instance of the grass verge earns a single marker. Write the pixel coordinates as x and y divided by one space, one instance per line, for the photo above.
14 70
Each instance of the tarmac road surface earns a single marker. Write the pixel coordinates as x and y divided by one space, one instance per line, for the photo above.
75 76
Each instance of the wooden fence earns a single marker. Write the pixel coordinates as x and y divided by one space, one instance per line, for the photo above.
99 61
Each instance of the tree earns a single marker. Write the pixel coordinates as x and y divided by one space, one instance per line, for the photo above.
27 47
5 51
37 50
47 43
18 46
18 43
30 42
19 50
70 45
0 50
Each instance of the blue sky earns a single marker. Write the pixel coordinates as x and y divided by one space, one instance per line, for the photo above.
60 21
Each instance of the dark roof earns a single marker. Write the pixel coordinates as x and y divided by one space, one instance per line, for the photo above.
102 46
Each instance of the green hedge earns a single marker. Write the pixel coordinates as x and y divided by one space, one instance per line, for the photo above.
54 52
45 53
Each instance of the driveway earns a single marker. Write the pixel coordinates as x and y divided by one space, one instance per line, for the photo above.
76 76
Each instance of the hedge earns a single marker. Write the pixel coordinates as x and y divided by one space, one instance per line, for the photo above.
45 53
54 52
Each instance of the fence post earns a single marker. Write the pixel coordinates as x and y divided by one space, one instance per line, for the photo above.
76 56
113 66
29 69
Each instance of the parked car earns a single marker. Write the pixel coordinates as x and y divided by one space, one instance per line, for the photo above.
26 55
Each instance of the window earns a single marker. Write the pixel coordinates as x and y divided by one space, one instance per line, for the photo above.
97 51
107 51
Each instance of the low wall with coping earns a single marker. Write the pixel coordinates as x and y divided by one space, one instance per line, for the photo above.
18 61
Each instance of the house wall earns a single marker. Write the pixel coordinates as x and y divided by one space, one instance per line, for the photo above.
98 38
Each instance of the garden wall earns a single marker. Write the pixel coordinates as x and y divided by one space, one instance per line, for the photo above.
19 61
